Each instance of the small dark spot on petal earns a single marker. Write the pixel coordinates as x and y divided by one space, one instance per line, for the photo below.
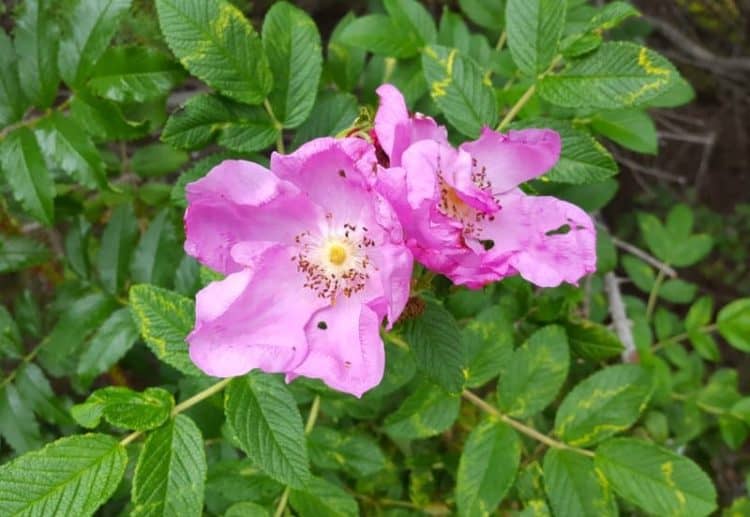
559 231
342 173
488 244
322 325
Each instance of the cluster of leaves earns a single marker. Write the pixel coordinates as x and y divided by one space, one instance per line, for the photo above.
498 398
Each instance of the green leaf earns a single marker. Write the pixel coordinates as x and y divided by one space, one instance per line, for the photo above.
611 15
12 101
203 117
17 253
534 28
36 38
535 373
618 75
487 468
125 408
490 15
322 498
67 146
266 422
333 113
60 350
10 337
292 44
574 488
435 341
157 252
344 63
458 88
632 129
355 454
489 345
117 244
733 321
378 34
606 403
134 74
582 159
17 424
426 412
104 120
700 313
92 24
678 291
171 471
71 476
157 160
656 479
592 341
24 169
246 509
411 19
36 393
111 341
214 41
679 94
164 318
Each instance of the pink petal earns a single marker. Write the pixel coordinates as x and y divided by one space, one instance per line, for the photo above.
346 351
546 240
396 130
240 201
509 160
394 263
254 318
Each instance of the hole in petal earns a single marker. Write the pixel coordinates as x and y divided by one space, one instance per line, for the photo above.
322 325
342 173
488 244
560 231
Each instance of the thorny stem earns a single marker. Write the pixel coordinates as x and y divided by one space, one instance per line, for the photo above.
527 95
31 122
184 405
312 417
522 428
278 125
706 329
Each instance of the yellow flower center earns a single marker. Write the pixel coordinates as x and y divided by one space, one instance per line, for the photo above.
337 254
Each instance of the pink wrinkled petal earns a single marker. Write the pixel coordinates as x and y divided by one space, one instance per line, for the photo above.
511 159
345 349
528 239
254 318
240 201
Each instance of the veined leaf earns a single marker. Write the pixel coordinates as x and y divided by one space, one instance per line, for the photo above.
24 169
320 497
125 408
171 471
71 476
111 341
92 24
17 423
656 479
36 38
378 34
490 15
733 321
134 74
266 421
574 488
292 43
12 101
18 253
487 468
117 244
534 29
164 318
157 252
428 411
458 88
618 75
214 41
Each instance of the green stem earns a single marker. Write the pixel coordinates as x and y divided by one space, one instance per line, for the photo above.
522 428
24 360
185 405
706 329
31 122
312 417
654 294
278 125
501 41
526 97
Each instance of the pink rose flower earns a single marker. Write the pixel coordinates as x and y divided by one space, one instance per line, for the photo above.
462 212
314 260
